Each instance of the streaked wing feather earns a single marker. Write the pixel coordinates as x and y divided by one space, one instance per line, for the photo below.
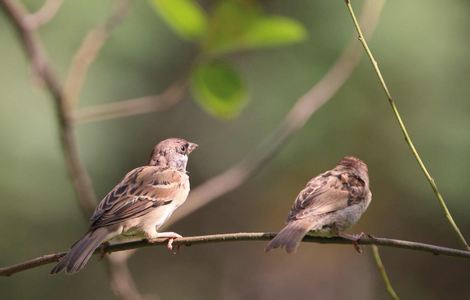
140 191
323 194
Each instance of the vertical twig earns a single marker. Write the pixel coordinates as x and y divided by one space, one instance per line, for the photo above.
383 273
404 130
120 278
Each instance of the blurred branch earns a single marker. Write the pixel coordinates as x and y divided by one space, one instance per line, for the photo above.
383 273
120 278
300 113
238 237
403 127
43 15
89 49
172 95
35 52
77 172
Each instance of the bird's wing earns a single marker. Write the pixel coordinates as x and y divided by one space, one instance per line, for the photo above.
327 193
140 191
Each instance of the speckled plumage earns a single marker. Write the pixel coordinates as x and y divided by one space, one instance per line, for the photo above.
138 205
329 204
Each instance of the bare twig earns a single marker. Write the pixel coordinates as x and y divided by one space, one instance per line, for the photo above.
43 15
383 273
120 278
35 52
88 51
173 94
300 113
238 237
77 172
32 263
403 128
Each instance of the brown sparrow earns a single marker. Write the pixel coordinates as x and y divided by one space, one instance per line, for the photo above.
143 200
329 204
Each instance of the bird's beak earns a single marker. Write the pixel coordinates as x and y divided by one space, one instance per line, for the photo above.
191 147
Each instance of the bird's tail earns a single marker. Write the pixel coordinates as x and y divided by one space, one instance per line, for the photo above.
81 251
290 236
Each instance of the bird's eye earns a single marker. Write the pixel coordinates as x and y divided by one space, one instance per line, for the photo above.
183 148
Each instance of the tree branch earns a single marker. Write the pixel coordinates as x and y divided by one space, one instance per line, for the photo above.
239 237
172 95
35 52
89 49
294 120
383 273
120 278
76 171
401 123
43 15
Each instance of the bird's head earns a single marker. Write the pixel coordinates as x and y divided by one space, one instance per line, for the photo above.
172 153
357 165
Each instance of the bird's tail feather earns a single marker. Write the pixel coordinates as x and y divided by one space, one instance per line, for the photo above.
81 252
290 236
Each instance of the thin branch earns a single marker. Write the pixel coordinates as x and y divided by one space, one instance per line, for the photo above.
403 127
172 95
35 52
295 119
77 172
238 237
43 15
32 263
89 50
120 279
383 273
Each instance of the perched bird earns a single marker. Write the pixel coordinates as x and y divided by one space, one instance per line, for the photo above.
138 205
329 204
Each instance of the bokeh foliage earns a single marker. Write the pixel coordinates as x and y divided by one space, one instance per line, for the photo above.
229 26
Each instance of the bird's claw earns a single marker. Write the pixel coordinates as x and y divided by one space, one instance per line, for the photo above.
357 247
171 248
354 238
170 238
102 250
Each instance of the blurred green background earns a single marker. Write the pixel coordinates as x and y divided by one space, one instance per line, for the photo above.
423 49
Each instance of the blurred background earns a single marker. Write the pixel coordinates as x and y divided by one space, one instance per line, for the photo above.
423 50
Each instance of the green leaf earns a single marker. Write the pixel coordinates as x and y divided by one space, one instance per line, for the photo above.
218 89
274 31
185 17
240 25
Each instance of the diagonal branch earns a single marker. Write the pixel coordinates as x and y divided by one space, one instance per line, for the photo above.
89 50
238 237
406 135
43 15
295 119
383 273
77 172
35 52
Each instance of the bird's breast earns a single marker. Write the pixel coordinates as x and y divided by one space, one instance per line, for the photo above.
158 216
183 191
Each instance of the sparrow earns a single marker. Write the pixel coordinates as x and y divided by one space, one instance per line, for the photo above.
138 205
328 205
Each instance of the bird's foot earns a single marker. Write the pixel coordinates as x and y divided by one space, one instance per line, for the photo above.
171 236
102 250
354 238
